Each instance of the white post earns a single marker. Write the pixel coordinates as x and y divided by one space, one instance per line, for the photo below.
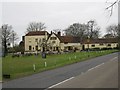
69 58
34 67
75 57
45 64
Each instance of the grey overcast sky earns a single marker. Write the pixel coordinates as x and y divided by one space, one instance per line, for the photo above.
56 15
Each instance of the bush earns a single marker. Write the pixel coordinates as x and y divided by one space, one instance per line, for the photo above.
106 48
95 49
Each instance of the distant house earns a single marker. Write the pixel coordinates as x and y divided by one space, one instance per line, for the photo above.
64 43
34 40
100 43
43 41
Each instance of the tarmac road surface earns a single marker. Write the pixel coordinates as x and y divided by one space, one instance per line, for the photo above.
104 75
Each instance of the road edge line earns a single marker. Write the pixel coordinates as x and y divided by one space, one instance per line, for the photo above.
61 82
95 67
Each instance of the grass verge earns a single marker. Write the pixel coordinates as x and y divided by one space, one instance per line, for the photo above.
23 66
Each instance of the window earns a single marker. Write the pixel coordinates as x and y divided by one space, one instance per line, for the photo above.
39 40
29 40
65 42
53 42
101 44
93 45
53 48
30 47
43 39
36 40
36 48
53 38
109 44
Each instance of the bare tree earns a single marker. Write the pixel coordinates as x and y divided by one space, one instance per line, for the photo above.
93 29
14 37
108 36
119 35
113 30
36 26
56 30
77 29
111 6
6 35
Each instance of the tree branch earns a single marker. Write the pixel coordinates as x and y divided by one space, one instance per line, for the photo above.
111 6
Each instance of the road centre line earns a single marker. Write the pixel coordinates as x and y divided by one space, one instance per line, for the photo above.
95 67
60 82
113 58
81 73
101 64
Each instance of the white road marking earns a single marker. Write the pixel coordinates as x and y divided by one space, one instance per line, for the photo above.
113 58
90 69
101 64
1 81
95 67
81 73
61 82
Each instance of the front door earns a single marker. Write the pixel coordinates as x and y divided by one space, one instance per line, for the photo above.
43 49
83 47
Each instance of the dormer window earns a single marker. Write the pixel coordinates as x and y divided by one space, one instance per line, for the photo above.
53 42
53 38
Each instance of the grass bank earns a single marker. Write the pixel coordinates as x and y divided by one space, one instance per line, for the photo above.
23 66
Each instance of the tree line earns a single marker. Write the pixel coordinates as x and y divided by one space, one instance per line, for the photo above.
89 30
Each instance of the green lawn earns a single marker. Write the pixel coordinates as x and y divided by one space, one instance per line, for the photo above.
23 66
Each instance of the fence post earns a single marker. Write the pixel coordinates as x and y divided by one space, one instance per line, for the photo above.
75 57
45 64
34 67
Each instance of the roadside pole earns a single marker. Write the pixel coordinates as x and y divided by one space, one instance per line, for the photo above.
34 68
45 64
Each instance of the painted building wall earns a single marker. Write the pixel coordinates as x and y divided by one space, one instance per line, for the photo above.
34 41
65 46
104 45
54 42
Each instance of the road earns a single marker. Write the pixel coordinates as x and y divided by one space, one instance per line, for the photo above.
104 75
52 77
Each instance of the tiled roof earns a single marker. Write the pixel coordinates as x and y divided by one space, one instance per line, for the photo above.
69 39
102 40
36 33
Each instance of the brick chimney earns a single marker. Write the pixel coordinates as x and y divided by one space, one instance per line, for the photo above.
59 33
51 32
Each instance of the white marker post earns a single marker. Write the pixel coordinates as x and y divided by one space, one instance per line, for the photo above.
45 64
75 57
34 67
69 58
